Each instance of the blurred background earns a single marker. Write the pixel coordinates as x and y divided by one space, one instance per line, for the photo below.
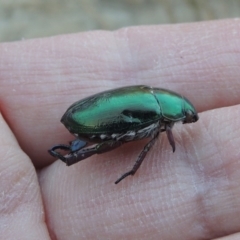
23 19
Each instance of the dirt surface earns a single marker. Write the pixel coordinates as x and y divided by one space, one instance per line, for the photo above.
25 19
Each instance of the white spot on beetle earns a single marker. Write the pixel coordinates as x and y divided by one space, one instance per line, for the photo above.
114 135
103 136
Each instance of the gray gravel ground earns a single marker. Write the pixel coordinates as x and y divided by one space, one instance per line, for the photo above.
25 19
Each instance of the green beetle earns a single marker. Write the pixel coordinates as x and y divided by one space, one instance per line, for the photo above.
112 118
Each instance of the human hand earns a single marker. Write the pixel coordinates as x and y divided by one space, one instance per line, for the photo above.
191 194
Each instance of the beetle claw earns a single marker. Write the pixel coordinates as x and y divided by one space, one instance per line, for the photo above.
57 154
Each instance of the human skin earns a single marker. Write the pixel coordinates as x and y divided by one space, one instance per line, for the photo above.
193 193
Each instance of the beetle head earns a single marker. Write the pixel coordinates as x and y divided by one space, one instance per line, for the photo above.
190 117
190 112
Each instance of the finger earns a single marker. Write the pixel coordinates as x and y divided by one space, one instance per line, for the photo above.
41 78
231 237
21 209
191 194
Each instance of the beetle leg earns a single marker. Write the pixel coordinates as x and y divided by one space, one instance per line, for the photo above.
170 136
82 154
57 154
74 146
139 159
